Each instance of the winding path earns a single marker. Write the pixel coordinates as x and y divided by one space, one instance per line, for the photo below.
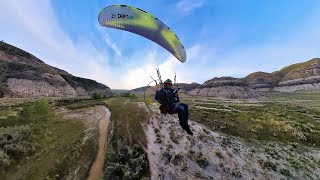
96 170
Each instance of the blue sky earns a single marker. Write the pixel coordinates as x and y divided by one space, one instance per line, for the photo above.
221 37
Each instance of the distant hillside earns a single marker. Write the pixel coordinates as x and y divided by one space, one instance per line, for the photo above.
184 87
119 90
303 76
24 75
138 90
225 87
261 79
295 71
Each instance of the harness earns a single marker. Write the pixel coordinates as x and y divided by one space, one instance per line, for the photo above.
164 108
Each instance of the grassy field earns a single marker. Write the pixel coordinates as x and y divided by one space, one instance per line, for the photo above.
280 117
126 158
308 100
73 104
36 143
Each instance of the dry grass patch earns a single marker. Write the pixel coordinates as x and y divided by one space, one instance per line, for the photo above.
128 141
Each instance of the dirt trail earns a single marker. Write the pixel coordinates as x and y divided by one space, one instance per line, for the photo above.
96 171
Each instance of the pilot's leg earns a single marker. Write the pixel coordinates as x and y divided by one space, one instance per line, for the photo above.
183 118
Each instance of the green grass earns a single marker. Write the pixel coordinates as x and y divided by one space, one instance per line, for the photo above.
127 117
282 96
73 104
265 121
58 144
150 99
125 149
25 113
309 100
43 144
9 117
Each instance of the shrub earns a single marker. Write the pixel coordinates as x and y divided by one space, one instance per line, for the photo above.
267 164
130 162
4 160
177 159
202 161
40 110
18 141
128 94
236 173
219 154
3 91
285 172
97 95
86 104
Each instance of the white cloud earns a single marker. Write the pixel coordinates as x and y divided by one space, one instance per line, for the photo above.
32 25
198 68
187 6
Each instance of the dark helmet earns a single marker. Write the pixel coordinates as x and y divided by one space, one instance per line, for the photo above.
168 81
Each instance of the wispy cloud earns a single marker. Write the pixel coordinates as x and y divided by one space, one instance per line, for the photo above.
109 41
112 44
34 27
198 68
187 6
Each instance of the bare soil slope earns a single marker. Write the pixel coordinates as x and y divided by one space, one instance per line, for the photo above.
173 154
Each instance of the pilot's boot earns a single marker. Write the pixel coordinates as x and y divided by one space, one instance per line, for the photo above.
188 130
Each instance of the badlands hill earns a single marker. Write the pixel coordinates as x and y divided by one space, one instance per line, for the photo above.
303 76
24 75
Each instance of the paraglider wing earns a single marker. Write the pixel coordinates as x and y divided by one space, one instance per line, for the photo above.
138 21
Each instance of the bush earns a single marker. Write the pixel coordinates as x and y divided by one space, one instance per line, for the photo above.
4 160
130 162
3 91
128 94
65 102
97 95
40 110
202 161
285 172
86 104
16 142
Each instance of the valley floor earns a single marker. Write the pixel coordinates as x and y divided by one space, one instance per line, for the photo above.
173 154
273 138
277 137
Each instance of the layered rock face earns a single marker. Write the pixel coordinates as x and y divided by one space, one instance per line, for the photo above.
260 81
225 87
34 88
184 87
302 77
297 77
24 75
